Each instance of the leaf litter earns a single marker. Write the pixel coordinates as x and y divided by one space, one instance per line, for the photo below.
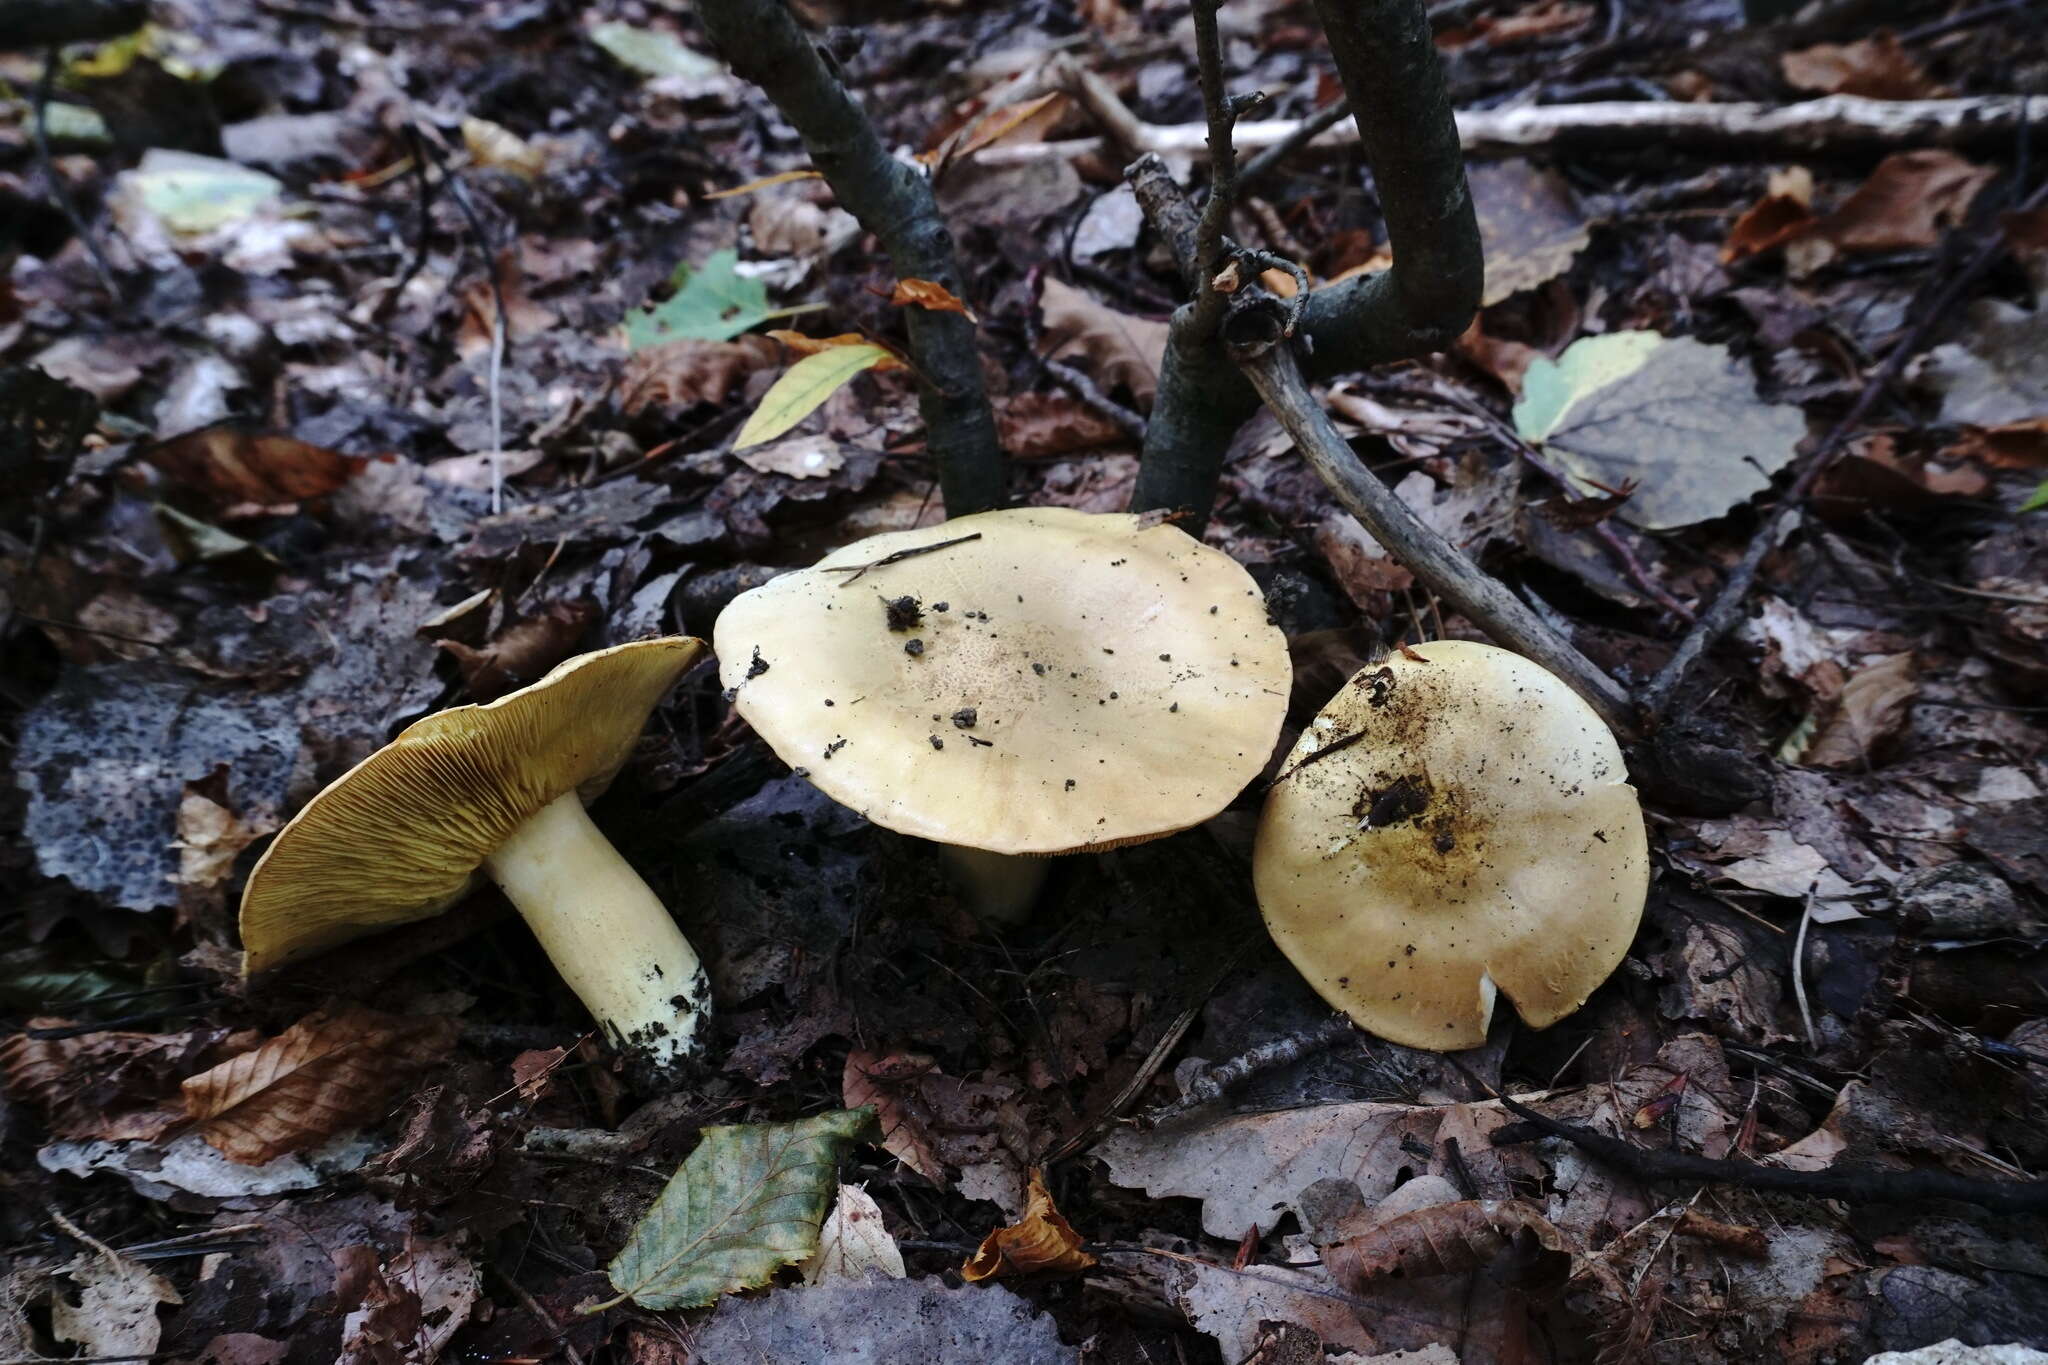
248 527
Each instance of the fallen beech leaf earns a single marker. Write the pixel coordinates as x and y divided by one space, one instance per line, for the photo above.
266 469
330 1071
803 387
765 182
1877 67
523 651
1124 350
853 1243
748 1201
1529 226
1907 202
675 374
1041 1241
1445 1240
887 1084
933 298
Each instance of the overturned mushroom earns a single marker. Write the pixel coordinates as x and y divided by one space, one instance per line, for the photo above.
1455 822
1035 681
499 789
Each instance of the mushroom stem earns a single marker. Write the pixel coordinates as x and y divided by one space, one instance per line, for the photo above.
607 934
1001 887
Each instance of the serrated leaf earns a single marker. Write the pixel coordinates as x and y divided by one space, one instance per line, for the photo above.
653 52
803 386
746 1203
1678 417
712 302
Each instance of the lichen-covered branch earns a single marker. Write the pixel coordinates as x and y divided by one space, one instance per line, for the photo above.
765 45
1386 58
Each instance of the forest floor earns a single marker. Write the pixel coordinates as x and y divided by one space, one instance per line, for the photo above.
359 415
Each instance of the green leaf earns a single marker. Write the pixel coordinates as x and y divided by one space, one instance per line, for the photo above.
803 387
1678 418
2037 499
712 302
746 1203
653 52
35 978
194 194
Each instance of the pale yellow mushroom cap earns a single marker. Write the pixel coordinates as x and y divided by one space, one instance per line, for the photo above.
399 837
1071 679
1478 833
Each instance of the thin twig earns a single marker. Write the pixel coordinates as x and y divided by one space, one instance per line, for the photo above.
1305 132
1222 115
897 556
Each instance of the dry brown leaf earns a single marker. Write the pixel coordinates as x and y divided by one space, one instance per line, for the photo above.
1042 1241
264 469
933 298
890 1085
1785 212
211 835
1125 351
1907 202
115 1314
1870 711
1542 20
1030 121
803 345
676 374
523 651
2016 445
1530 226
330 1071
1036 426
114 1085
1877 67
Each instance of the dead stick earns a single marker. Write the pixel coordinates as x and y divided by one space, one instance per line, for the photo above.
1866 1186
1422 551
1810 125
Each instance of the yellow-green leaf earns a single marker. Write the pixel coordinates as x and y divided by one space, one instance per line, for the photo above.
803 387
746 1203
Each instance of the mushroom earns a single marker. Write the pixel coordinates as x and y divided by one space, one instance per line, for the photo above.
499 788
1455 822
1026 682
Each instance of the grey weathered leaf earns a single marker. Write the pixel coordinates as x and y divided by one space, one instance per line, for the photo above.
883 1322
746 1203
1678 418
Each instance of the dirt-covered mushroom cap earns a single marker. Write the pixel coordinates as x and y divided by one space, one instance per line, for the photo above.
1451 824
1031 681
401 836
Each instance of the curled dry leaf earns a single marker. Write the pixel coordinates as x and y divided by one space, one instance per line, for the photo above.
889 1085
1446 1240
330 1071
1042 1241
248 468
930 296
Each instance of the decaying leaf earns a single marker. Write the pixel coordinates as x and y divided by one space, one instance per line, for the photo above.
1529 225
1446 1240
1039 425
1992 375
748 1201
887 1084
1677 417
330 1071
853 1243
675 374
406 1309
115 1311
805 386
882 1322
1123 351
260 469
1908 201
1878 67
1042 1242
925 294
1870 710
796 457
211 835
